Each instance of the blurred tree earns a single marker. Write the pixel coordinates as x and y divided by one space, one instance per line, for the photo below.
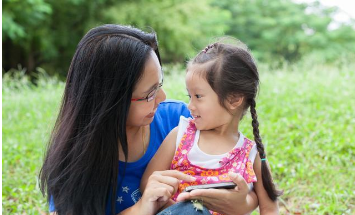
183 26
284 30
22 35
331 40
71 19
45 33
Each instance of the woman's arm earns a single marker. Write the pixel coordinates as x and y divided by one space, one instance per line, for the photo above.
158 190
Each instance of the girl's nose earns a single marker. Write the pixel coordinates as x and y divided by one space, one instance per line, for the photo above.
190 106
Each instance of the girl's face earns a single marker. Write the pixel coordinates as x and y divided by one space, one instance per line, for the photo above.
148 93
204 104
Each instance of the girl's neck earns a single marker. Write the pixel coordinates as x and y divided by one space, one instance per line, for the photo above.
216 144
228 129
226 136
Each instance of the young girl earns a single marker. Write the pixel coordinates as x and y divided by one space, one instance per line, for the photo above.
222 82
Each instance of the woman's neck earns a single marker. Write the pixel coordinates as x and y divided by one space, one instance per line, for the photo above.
137 142
132 131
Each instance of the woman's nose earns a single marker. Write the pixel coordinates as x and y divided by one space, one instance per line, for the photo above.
161 96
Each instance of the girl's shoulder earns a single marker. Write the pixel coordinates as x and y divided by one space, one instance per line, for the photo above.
250 147
248 142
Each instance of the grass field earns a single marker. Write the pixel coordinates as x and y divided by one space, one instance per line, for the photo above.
306 114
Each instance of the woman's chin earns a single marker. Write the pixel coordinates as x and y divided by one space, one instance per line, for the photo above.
148 120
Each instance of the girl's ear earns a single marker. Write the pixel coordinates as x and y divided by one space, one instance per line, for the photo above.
235 101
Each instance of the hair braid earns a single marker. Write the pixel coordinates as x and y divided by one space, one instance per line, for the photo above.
265 172
255 124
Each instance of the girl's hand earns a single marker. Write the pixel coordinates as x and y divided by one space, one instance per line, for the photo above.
226 201
160 187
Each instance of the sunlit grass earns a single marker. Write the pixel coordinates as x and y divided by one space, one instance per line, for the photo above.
28 115
306 116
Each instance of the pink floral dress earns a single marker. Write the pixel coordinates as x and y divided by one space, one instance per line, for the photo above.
237 160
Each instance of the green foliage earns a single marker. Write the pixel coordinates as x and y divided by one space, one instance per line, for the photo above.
23 38
45 33
70 21
183 27
306 121
21 18
284 30
39 33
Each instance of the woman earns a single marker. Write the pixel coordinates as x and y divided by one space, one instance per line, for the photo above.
110 125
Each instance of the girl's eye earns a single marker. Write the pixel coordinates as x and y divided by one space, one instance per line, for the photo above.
198 96
189 96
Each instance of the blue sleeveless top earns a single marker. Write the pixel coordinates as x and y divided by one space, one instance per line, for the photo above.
166 118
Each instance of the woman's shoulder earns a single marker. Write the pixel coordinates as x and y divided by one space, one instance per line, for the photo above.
172 103
173 108
168 115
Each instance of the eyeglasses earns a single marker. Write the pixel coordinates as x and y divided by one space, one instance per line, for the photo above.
150 95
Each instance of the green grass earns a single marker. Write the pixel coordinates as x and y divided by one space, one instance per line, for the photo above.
306 115
28 115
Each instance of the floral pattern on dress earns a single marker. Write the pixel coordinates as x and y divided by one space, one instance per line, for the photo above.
237 160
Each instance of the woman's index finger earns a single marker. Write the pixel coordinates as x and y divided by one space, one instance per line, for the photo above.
178 175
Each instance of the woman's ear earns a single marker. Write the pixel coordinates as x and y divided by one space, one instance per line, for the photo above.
235 101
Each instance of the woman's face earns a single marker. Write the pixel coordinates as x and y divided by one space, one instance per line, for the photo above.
142 112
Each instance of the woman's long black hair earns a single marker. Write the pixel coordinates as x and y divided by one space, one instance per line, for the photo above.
231 70
80 168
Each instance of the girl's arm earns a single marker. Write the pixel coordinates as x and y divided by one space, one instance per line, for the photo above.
162 161
266 205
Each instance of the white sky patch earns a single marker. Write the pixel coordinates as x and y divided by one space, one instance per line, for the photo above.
345 13
347 7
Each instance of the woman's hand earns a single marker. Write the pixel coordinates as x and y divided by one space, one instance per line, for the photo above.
226 201
160 187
